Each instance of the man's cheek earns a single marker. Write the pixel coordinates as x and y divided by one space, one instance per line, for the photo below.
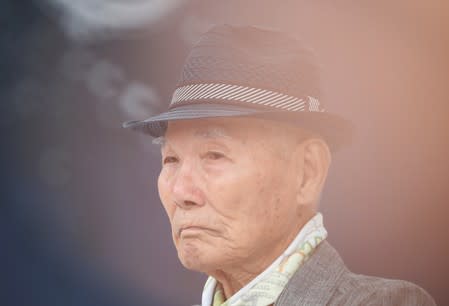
169 209
164 195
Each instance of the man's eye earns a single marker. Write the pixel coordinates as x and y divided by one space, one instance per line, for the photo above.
169 159
214 155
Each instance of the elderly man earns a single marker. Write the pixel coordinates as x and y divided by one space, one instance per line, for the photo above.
246 146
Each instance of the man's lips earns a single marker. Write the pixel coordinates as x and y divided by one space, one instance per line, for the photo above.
192 228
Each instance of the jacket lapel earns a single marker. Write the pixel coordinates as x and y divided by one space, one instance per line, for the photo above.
315 281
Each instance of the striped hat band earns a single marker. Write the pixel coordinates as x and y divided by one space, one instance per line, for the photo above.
220 93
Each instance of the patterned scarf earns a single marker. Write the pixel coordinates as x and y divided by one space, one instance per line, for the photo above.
267 286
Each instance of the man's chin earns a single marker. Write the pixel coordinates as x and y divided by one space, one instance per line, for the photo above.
193 258
192 264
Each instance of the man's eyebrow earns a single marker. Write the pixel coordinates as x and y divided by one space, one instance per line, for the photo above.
159 141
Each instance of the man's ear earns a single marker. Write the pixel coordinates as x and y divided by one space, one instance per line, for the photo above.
315 165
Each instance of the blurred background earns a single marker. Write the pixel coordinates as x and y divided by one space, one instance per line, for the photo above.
80 218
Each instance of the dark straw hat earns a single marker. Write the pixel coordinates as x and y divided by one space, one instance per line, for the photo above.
250 71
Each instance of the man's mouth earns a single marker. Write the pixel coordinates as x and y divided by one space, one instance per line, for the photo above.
191 228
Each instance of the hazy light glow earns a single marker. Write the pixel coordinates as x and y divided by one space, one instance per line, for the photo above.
84 18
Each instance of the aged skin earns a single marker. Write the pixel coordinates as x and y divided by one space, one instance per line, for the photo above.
237 191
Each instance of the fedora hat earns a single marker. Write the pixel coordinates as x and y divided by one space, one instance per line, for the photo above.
250 71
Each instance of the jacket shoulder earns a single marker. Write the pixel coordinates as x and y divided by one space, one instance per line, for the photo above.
355 289
325 280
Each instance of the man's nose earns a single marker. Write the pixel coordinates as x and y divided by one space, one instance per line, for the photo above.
186 189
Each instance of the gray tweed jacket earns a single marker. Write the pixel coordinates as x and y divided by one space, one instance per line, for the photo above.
325 280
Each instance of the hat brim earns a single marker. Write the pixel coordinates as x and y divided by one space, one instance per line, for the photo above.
335 130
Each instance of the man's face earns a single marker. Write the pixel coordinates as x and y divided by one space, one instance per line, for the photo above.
229 189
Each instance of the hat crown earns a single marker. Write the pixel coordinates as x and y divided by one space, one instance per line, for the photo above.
253 57
249 71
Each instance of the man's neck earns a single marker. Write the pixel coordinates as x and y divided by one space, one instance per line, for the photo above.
232 283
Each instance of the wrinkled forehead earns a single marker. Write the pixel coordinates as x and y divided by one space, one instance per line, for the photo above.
214 128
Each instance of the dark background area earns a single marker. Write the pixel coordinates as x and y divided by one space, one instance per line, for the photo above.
80 218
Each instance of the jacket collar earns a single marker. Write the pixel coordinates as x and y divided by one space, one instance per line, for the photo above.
315 282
